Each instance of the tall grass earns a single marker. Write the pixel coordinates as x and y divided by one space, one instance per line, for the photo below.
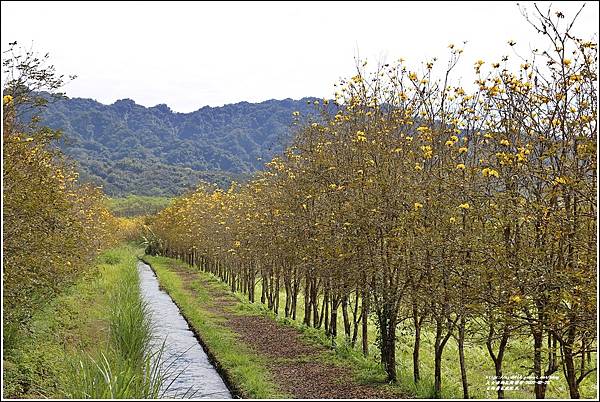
127 368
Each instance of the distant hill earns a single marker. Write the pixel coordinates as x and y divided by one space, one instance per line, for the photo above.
130 149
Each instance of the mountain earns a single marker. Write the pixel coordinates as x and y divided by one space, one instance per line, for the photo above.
131 149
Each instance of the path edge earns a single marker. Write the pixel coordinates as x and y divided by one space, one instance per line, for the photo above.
235 391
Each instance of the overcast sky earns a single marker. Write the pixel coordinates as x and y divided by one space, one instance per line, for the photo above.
189 55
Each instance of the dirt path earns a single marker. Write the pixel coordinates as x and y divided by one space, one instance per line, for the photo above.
299 368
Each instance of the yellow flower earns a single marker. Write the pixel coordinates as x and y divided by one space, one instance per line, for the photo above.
418 205
449 143
454 138
460 166
490 172
412 76
464 206
237 244
422 128
504 142
560 180
567 62
360 136
418 166
453 220
427 151
409 138
7 99
462 150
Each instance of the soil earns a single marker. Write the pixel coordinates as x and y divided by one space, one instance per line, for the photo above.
300 369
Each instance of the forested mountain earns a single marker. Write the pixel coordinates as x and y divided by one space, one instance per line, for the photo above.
132 149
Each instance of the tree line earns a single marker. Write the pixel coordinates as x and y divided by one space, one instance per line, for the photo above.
53 225
469 213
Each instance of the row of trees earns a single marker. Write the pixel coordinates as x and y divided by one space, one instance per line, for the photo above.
469 213
52 225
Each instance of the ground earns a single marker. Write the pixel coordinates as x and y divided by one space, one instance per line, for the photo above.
298 366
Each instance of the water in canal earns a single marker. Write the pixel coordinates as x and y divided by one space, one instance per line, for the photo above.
196 376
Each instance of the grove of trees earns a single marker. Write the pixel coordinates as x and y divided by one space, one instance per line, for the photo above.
469 213
131 149
53 226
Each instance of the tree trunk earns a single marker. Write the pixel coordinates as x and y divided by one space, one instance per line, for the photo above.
307 298
440 344
317 320
461 357
355 320
499 358
365 324
325 313
539 388
346 318
417 346
333 323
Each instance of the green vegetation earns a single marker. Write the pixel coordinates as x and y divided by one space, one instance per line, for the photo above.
89 342
134 205
245 369
54 226
458 221
130 149
368 369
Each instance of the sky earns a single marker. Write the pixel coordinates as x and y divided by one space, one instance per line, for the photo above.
192 54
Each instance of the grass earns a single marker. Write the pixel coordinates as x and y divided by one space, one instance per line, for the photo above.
244 370
368 370
126 369
478 362
90 342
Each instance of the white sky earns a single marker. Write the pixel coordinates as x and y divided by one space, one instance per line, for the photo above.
189 55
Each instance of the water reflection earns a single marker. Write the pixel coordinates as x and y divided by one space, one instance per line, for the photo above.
192 374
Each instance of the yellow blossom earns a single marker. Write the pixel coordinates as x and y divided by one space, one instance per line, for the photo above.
460 166
7 99
360 136
462 150
504 142
490 172
418 205
427 151
464 206
560 180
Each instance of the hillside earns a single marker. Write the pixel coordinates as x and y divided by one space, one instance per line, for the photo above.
131 149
